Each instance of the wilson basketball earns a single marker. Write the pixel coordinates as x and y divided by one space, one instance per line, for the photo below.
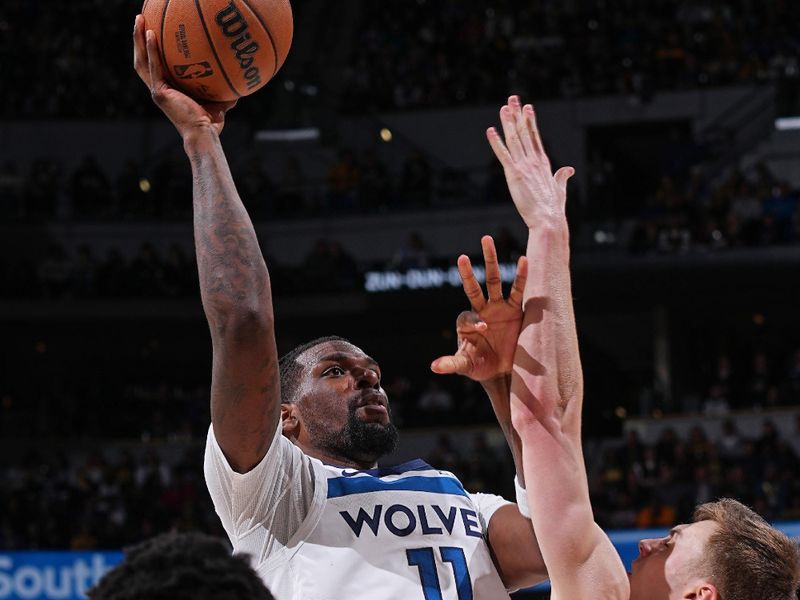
220 50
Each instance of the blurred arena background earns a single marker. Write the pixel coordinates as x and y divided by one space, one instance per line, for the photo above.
365 168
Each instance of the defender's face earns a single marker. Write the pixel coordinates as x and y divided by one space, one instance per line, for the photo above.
667 567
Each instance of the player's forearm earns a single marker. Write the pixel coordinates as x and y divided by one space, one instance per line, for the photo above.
498 390
546 398
233 276
547 362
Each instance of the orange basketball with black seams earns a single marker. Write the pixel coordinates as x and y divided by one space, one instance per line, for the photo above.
220 50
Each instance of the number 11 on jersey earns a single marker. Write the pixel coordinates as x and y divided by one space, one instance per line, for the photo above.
424 560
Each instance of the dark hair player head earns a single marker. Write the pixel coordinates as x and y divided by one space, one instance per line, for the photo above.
181 566
333 405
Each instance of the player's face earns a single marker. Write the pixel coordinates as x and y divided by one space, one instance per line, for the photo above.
667 567
343 406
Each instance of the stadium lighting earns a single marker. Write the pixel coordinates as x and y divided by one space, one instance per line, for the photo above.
787 123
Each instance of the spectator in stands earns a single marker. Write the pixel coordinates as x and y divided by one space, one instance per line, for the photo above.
256 188
54 272
11 182
434 403
84 272
374 189
413 254
188 566
329 267
42 189
343 179
793 380
509 248
416 183
147 272
90 190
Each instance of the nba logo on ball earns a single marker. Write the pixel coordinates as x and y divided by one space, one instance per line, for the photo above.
201 69
220 50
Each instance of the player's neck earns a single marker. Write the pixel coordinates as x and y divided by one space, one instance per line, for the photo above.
340 461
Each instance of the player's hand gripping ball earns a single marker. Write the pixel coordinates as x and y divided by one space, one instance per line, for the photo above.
220 50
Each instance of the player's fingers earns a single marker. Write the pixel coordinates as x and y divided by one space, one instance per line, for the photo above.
510 132
471 286
563 175
522 127
445 365
469 323
217 110
157 81
518 287
140 49
494 283
533 130
499 148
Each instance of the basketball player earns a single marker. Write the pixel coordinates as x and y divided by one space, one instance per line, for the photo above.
292 450
727 553
181 566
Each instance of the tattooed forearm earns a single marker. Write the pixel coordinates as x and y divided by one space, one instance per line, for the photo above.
233 276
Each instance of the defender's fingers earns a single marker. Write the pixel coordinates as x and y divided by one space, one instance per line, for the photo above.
510 133
518 287
524 131
446 365
499 148
494 283
562 176
533 129
471 286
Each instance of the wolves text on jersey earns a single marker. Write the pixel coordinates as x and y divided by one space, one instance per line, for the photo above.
401 520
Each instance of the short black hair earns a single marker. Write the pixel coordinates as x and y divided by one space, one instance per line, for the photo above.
290 368
181 566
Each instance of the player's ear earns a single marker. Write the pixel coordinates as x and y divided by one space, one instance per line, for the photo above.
703 591
290 420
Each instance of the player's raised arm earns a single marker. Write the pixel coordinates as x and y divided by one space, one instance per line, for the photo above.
487 337
547 383
234 283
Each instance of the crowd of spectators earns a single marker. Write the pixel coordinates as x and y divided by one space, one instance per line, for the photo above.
79 275
45 191
76 58
753 379
54 500
433 53
657 483
744 210
110 497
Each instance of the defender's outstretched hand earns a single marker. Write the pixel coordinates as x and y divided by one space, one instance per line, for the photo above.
539 195
487 334
185 113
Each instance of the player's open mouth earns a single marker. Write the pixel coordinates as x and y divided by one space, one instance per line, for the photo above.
374 409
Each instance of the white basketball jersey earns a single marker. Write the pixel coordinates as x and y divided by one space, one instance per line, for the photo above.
319 532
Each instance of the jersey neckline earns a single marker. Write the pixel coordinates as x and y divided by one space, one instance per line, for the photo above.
413 465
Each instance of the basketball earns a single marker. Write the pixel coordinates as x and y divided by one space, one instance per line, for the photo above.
220 50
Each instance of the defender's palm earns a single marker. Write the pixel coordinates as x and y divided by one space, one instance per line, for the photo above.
487 334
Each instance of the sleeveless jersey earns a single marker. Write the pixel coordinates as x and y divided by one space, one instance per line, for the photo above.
318 532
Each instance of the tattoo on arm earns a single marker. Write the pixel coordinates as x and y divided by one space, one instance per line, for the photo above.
230 265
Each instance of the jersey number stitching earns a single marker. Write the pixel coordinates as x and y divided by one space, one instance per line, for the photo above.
423 559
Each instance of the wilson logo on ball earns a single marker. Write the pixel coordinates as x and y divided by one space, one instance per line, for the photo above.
233 25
